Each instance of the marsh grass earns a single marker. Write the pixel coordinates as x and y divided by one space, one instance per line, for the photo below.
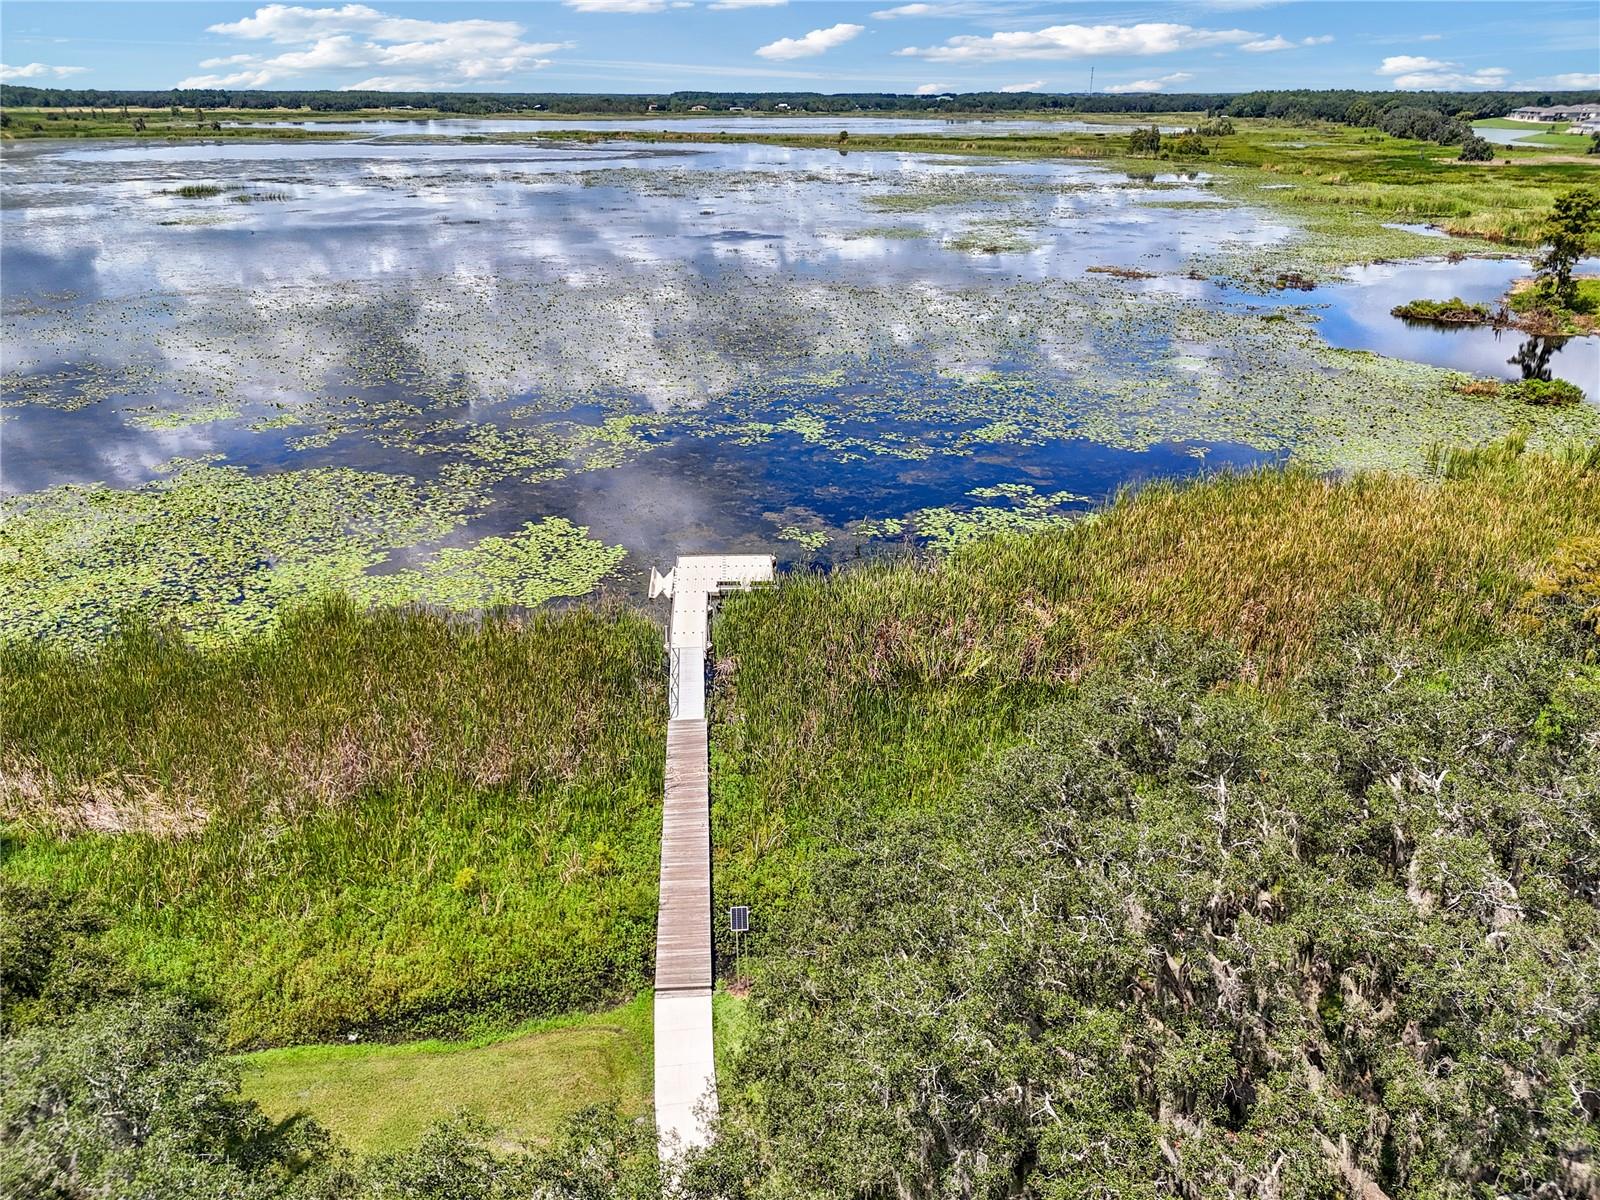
361 822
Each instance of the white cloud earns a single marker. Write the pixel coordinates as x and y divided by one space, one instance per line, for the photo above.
1024 87
727 4
1453 81
38 71
1279 42
355 37
1401 64
616 6
949 8
1414 73
417 83
1079 41
1572 81
1430 37
815 42
932 89
1149 85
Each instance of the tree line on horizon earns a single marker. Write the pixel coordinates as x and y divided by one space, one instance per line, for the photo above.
1344 106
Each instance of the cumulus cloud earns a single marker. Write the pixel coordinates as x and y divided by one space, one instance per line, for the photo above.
38 71
1149 85
932 89
726 4
815 42
1415 73
1404 64
408 54
1079 41
1323 40
1034 86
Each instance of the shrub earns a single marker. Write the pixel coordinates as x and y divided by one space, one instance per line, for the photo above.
1187 145
1145 141
1475 149
1190 939
1422 124
1544 392
1454 311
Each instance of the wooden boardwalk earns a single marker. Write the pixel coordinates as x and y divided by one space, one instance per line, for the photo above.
685 1074
683 930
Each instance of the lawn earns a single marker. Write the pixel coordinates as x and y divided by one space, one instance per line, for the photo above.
379 1098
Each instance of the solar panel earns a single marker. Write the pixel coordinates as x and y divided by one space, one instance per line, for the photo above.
739 918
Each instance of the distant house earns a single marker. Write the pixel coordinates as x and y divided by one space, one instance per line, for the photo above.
781 107
698 108
1557 112
735 108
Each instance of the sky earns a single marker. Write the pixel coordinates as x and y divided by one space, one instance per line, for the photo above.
931 47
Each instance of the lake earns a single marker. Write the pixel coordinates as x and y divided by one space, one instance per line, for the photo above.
237 374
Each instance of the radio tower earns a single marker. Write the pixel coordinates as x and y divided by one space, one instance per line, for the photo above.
1091 81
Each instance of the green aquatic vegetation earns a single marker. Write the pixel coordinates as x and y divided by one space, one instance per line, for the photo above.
542 561
992 237
925 200
810 539
945 527
203 414
888 232
213 551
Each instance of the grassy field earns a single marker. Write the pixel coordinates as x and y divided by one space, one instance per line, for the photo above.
379 1098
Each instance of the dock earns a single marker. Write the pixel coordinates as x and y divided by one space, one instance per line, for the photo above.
685 1070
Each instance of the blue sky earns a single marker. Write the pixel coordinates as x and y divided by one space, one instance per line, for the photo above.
811 45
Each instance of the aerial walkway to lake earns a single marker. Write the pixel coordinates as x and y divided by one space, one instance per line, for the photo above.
685 1072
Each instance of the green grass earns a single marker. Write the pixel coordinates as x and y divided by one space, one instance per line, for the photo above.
730 1025
1575 143
382 823
380 1098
